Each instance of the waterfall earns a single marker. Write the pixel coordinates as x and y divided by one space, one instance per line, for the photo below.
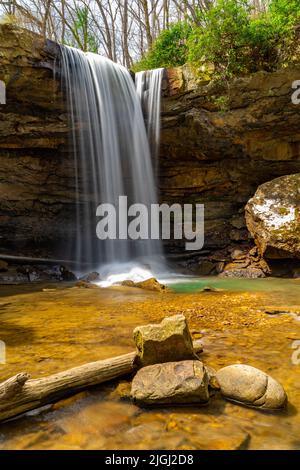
112 153
148 87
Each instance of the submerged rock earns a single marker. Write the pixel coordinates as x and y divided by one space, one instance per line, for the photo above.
275 312
167 341
210 289
184 431
250 386
273 217
171 382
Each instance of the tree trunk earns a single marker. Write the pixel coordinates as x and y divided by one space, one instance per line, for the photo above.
147 23
20 394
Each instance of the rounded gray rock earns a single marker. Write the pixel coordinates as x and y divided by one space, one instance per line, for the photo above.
250 386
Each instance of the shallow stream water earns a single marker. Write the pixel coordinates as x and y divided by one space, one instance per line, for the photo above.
49 328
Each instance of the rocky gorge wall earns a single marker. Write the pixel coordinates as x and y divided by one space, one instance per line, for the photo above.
36 171
219 142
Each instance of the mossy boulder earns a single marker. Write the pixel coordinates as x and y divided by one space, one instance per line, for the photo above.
273 217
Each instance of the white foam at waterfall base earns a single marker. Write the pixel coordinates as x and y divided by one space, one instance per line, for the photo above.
116 273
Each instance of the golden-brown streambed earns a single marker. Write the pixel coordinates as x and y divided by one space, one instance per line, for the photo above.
51 328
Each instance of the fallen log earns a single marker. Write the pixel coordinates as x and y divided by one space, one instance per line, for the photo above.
20 394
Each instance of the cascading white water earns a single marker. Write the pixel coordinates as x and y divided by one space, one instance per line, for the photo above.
148 87
112 154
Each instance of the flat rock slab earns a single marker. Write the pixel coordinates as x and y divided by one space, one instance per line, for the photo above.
250 386
171 383
167 341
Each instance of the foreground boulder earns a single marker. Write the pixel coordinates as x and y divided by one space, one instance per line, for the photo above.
250 386
167 341
171 383
273 217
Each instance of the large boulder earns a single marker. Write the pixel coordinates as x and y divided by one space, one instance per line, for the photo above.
151 284
171 382
250 386
167 341
273 217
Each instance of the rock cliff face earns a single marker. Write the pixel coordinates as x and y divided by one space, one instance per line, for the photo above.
36 171
219 142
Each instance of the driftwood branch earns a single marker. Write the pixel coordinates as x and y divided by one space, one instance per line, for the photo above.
12 386
20 394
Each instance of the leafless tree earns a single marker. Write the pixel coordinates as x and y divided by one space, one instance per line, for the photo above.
122 30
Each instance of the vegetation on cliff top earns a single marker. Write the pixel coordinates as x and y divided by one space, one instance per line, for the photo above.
236 37
232 36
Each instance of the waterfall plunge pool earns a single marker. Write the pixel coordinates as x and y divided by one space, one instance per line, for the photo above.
49 328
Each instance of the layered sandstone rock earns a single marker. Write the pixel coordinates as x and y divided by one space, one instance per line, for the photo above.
219 142
36 172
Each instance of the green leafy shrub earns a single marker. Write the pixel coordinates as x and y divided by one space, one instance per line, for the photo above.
221 37
233 37
235 40
285 14
285 18
169 50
